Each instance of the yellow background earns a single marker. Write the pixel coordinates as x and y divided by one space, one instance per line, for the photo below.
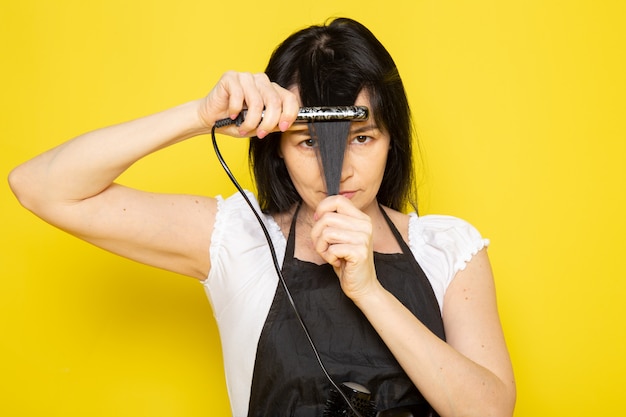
520 111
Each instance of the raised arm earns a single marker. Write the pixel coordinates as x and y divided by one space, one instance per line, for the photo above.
72 185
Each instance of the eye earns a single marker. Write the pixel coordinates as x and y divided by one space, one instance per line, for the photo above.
309 143
361 139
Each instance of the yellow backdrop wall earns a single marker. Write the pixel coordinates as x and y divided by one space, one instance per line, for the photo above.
519 108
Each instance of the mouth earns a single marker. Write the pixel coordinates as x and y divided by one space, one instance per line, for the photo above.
347 194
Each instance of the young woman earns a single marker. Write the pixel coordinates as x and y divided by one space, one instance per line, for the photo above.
400 304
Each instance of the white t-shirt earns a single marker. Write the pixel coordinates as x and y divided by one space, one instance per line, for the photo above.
243 280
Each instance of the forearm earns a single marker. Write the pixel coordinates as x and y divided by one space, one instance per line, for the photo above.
88 164
452 383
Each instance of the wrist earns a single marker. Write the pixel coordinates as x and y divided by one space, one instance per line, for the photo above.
202 121
369 297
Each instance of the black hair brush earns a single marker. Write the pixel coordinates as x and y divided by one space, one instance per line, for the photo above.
359 398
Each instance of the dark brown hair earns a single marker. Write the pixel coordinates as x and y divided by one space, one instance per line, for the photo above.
330 65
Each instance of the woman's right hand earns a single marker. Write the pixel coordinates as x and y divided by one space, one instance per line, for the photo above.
269 106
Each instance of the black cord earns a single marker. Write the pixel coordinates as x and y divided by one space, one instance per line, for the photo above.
226 122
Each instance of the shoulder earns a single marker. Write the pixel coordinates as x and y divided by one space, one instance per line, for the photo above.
443 245
446 232
236 203
237 231
237 217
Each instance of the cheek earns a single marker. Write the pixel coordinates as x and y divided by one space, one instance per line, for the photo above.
372 162
303 170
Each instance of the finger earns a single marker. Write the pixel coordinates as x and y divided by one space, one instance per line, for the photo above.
272 104
234 91
336 219
335 232
338 204
329 236
253 101
290 108
349 255
217 102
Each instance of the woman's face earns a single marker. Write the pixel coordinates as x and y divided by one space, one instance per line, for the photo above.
363 165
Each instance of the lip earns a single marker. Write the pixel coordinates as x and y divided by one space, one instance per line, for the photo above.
347 194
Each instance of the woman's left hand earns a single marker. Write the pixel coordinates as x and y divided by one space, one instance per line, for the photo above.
342 235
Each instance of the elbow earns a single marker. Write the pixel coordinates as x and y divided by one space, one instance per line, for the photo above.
502 406
509 399
23 189
510 403
497 403
496 409
16 184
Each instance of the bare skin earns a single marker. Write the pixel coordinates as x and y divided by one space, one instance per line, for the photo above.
73 187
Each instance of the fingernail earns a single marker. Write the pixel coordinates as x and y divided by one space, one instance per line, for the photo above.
261 133
283 126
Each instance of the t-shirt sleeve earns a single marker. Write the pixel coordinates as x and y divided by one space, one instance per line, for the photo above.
442 245
239 251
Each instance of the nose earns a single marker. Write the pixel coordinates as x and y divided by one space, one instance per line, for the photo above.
346 169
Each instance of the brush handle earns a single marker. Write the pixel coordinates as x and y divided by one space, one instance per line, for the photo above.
323 114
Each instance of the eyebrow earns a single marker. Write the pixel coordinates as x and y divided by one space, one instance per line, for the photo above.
365 128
